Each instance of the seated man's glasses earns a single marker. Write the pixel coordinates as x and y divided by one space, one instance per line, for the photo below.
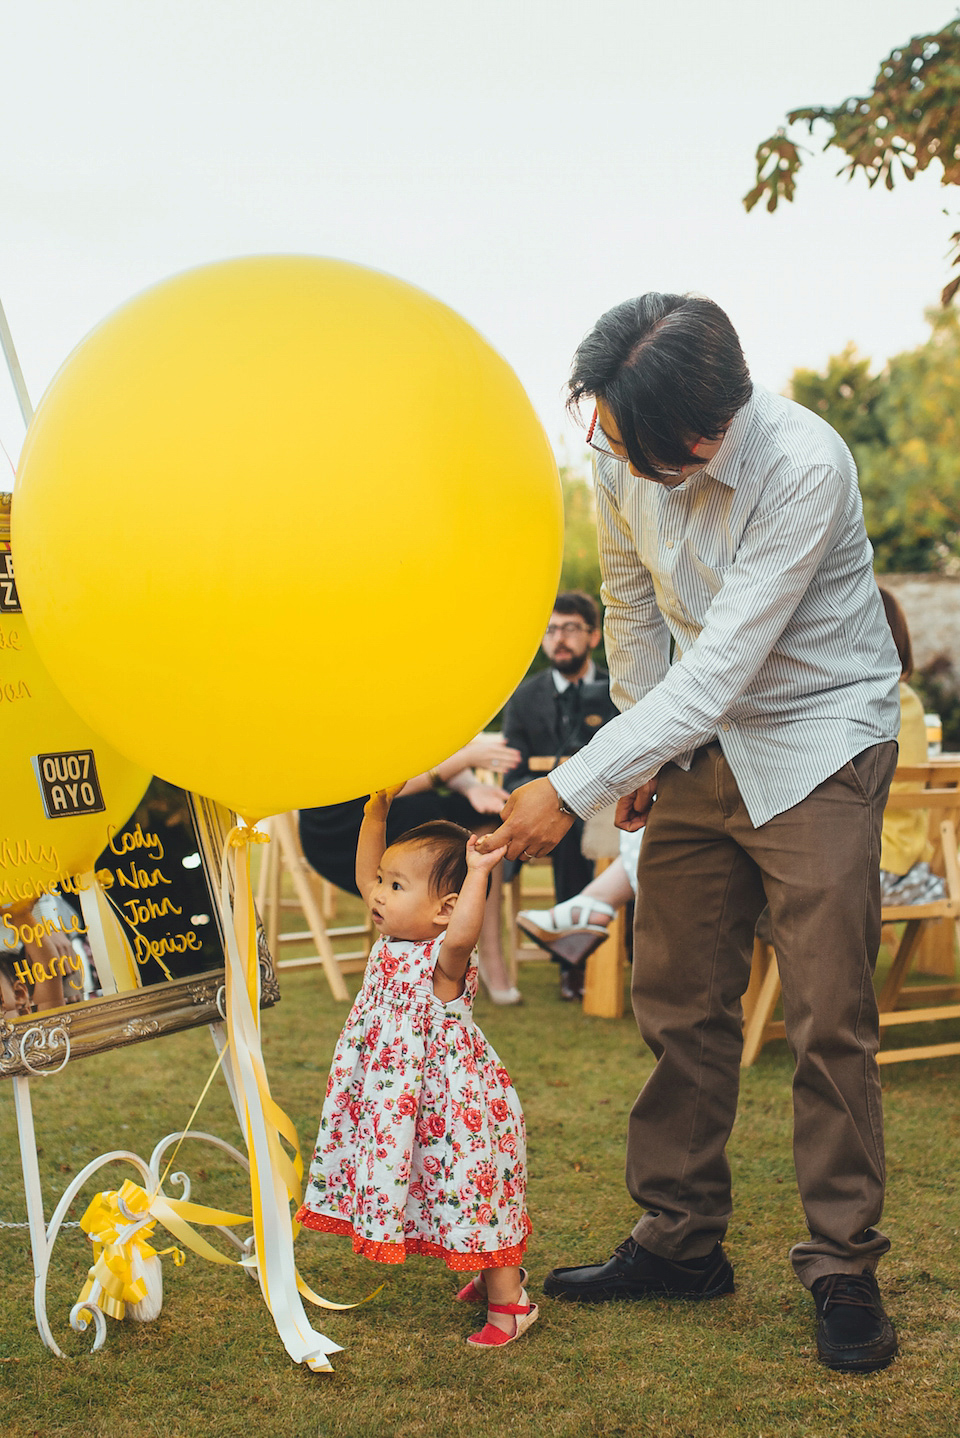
566 630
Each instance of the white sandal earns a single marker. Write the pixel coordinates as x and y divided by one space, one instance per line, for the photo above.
571 914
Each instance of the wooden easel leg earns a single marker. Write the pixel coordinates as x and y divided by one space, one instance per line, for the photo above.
935 952
328 903
285 840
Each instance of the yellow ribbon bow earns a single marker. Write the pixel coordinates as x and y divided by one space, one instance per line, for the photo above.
119 1224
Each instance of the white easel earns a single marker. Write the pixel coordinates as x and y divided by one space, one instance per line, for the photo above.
42 1236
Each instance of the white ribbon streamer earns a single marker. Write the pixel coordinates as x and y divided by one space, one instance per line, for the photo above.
269 1195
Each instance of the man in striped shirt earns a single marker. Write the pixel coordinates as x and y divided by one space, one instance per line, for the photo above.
731 533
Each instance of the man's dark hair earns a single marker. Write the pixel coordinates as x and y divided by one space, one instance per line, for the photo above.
575 601
898 628
448 845
671 371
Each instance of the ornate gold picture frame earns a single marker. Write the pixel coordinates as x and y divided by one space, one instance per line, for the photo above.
43 1042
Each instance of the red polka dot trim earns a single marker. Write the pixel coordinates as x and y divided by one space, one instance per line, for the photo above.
397 1252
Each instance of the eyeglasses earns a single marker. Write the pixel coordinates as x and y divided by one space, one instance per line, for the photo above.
566 630
599 443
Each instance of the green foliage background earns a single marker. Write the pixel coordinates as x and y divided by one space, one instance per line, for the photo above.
909 121
903 426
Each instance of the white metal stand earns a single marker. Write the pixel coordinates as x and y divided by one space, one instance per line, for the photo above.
43 1237
35 1040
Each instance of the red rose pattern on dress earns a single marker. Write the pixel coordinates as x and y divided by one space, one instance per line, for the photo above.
422 1146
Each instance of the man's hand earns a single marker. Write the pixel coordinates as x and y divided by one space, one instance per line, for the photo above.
633 810
532 822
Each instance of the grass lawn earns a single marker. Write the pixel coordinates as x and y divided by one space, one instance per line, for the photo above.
212 1364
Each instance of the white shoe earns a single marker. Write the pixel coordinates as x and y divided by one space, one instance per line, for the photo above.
504 997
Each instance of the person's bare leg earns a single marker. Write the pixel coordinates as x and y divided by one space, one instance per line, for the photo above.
612 886
493 969
503 1286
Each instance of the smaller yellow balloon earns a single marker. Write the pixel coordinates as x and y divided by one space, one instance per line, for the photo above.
48 751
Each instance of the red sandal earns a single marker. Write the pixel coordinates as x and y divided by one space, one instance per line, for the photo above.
470 1293
490 1336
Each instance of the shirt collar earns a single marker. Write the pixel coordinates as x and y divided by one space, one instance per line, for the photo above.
562 683
726 464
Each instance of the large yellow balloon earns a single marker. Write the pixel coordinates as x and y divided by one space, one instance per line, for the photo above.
36 720
302 522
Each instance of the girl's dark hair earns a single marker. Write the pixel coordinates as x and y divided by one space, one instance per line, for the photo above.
671 371
898 628
448 843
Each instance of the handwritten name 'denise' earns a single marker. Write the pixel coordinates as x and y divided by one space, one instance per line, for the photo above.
143 909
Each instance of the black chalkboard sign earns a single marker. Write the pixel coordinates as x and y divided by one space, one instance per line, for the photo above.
157 882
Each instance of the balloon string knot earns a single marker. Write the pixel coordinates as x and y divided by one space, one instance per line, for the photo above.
242 834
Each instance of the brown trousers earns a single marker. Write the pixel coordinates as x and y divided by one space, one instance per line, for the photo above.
705 875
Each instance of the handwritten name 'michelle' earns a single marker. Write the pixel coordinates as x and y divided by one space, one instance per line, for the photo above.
19 854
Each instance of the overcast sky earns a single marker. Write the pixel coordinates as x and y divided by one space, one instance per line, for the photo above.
530 162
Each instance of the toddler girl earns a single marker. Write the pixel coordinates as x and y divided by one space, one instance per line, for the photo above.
421 1146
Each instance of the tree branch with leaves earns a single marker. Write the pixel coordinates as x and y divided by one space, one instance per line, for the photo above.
910 119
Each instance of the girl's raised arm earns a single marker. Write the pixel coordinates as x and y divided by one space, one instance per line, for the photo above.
372 839
466 921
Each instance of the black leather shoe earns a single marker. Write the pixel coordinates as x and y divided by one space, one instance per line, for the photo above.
854 1335
635 1272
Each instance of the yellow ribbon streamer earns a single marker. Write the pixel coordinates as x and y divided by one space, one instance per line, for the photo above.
196 1109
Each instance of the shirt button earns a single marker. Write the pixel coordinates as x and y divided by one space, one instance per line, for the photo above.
669 543
724 726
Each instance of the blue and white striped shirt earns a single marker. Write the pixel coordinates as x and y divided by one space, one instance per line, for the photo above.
760 569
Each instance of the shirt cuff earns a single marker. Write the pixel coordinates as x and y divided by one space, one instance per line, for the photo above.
579 788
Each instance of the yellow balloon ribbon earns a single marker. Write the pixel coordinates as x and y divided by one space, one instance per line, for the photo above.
275 1178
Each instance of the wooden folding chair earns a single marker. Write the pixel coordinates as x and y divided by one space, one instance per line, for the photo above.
937 790
603 980
314 900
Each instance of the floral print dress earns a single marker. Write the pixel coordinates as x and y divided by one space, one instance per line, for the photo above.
422 1147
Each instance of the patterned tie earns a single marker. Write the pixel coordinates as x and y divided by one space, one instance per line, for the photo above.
568 725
